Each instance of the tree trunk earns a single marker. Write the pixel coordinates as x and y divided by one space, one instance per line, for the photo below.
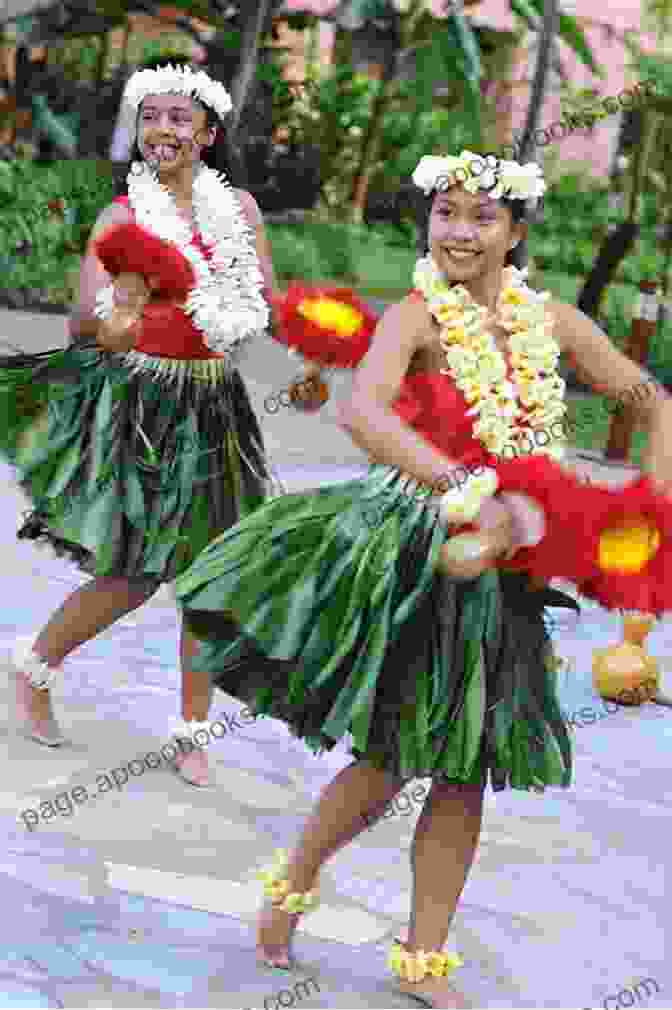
103 59
617 245
371 139
255 23
125 45
549 29
615 248
361 182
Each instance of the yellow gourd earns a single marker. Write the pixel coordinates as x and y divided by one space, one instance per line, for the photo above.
626 673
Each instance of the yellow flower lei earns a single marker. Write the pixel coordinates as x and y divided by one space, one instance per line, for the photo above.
479 368
415 967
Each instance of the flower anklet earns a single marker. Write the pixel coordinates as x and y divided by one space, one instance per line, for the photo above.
35 669
277 887
186 729
416 967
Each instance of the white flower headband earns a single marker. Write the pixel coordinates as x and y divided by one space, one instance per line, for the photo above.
476 172
174 81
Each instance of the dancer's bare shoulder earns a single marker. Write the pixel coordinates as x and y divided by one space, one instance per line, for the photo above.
594 357
114 213
407 323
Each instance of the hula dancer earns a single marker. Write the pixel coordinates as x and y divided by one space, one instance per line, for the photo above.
137 447
436 661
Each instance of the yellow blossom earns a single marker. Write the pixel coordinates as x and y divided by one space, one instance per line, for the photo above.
453 335
446 313
512 297
628 547
331 314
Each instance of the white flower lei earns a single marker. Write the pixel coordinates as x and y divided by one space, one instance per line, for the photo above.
479 368
497 176
226 303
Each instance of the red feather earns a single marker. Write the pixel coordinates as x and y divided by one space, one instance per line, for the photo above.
576 515
320 343
128 248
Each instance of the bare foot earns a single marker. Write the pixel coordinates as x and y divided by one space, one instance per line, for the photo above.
34 714
194 768
438 992
275 930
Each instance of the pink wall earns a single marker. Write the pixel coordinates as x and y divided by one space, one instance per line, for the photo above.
605 36
593 149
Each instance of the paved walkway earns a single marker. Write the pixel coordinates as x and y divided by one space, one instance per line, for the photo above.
144 895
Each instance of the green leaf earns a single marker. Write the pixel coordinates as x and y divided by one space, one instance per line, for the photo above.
524 10
467 44
134 499
474 710
362 11
569 30
555 598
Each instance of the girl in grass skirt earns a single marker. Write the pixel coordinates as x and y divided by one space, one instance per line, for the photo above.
355 612
138 444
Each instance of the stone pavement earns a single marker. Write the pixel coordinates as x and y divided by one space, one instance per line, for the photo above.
145 895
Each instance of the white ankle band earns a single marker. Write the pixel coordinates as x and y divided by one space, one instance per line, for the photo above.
38 674
189 728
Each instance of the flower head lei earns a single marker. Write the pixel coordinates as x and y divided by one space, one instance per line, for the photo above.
498 178
172 80
227 303
510 406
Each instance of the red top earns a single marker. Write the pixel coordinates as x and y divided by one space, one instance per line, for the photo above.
432 405
167 331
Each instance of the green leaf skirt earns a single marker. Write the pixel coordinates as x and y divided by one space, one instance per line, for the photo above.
324 609
133 464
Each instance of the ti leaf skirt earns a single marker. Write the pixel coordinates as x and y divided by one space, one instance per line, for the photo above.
132 462
324 609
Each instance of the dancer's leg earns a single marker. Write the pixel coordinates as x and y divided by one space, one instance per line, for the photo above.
83 615
196 700
352 799
196 686
88 611
446 837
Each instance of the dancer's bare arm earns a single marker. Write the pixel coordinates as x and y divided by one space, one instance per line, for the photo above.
312 369
612 373
256 221
375 427
368 416
131 293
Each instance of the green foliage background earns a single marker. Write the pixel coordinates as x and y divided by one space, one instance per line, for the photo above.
377 259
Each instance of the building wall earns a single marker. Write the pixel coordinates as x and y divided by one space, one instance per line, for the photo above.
591 149
605 33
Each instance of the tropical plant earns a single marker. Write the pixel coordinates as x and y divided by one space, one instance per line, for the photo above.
438 38
645 165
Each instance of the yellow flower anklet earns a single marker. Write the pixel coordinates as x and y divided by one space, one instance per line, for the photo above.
416 967
276 887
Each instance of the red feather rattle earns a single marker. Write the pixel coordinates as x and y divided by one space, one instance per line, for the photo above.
615 544
129 248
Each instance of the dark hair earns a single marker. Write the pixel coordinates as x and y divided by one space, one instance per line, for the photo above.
216 156
424 210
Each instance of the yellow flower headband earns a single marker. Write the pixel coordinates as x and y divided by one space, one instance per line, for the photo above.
497 177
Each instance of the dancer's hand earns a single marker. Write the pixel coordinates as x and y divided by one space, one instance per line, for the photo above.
468 555
659 470
131 294
309 393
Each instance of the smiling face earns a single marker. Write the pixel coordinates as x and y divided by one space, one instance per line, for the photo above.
172 131
470 235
